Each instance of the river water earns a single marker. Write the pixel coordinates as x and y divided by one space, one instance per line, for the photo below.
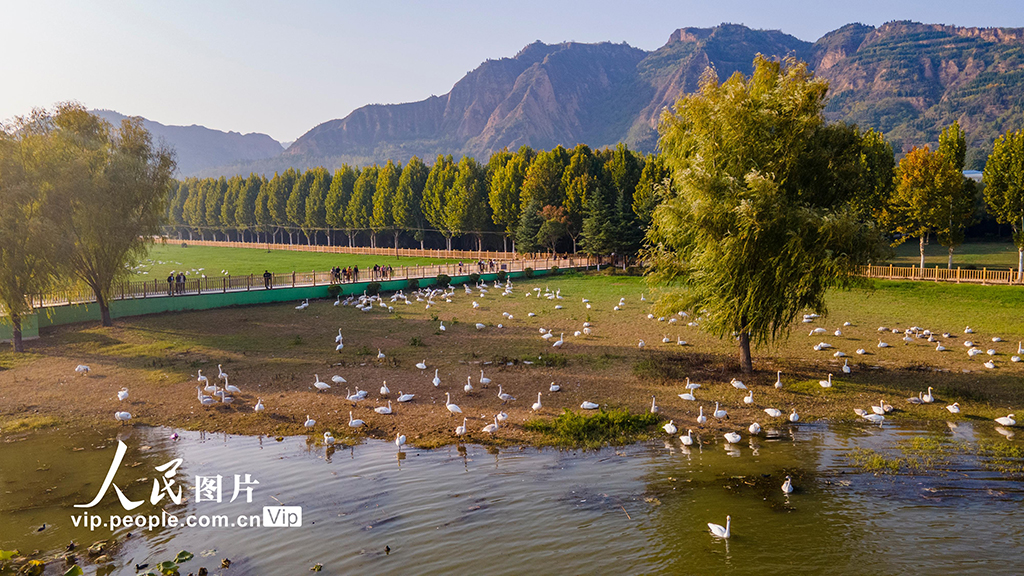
640 509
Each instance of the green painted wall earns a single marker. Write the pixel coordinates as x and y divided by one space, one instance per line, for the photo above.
71 314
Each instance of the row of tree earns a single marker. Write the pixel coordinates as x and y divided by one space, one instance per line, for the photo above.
600 201
77 200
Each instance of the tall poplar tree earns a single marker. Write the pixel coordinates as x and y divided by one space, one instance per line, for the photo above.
406 208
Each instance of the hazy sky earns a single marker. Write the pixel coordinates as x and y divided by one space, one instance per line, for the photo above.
283 67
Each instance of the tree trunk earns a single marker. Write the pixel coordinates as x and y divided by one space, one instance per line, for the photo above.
396 243
19 346
745 362
1020 264
949 264
104 311
421 245
921 271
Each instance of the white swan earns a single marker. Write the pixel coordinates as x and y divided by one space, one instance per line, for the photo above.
688 395
882 344
461 430
338 379
928 398
749 398
480 326
787 486
82 369
384 390
469 385
773 412
405 397
504 396
221 374
718 531
122 417
536 405
1007 420
688 439
732 437
328 439
309 423
691 386
453 408
230 387
380 354
259 407
587 405
670 428
701 418
383 409
442 328
954 408
916 399
491 428
778 380
422 365
484 380
793 416
437 380
354 423
320 385
123 394
399 440
754 428
846 366
554 387
880 409
561 340
826 383
202 378
719 413
738 384
338 338
654 407
502 416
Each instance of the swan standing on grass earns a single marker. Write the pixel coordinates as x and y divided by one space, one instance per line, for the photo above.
321 385
928 398
718 531
384 390
846 366
122 395
670 428
654 407
491 428
537 405
701 418
719 413
122 417
749 398
452 408
385 410
380 354
437 380
738 384
202 379
309 423
469 385
461 430
338 379
221 374
484 380
793 416
230 387
338 338
826 383
83 370
778 380
259 407
504 396
422 365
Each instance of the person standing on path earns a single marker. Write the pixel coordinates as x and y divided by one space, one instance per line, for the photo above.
267 276
170 284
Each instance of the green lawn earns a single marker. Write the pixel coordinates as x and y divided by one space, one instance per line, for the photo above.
993 255
163 258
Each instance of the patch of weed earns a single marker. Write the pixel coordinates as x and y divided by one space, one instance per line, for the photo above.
572 429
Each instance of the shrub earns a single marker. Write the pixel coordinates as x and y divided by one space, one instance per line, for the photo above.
373 288
443 280
414 284
474 277
415 342
592 431
528 272
502 276
334 290
553 271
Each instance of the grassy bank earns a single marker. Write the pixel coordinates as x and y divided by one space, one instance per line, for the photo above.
273 352
991 255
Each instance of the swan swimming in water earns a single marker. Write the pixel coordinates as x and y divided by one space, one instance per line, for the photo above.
719 531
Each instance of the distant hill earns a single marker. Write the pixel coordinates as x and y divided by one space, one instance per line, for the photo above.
199 149
904 78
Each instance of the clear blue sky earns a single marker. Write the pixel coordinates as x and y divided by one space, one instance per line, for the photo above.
283 67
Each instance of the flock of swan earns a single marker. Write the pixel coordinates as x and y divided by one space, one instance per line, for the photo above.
221 392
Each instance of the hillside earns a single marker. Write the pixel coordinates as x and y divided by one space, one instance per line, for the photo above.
199 149
904 78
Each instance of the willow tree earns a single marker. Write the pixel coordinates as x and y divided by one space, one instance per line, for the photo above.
1004 188
114 184
759 221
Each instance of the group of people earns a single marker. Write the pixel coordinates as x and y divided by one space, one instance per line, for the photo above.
351 273
175 283
481 265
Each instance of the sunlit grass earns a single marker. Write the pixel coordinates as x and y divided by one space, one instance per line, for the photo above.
573 429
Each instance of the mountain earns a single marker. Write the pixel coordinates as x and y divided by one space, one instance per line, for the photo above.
199 149
906 79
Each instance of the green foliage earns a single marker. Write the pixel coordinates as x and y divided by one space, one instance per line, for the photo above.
333 290
573 429
474 278
528 272
529 226
443 280
383 218
406 206
413 284
756 228
416 342
501 275
360 205
373 288
553 271
1004 183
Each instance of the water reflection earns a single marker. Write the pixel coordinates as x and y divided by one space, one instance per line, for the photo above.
637 509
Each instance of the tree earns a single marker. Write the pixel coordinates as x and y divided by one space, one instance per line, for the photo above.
360 205
383 218
215 191
955 212
436 192
245 210
264 221
277 202
753 232
529 226
194 209
316 211
295 207
598 225
927 185
406 207
176 213
1004 188
553 228
466 209
338 197
230 204
579 180
645 198
544 178
114 189
506 183
622 172
29 251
